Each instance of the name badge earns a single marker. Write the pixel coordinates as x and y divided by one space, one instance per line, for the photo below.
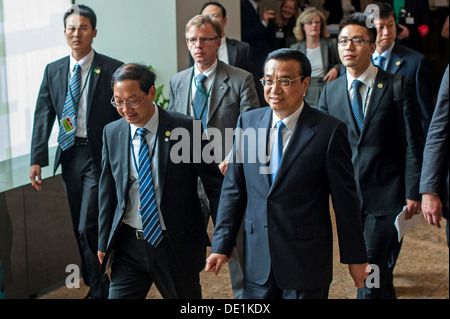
66 123
409 20
279 34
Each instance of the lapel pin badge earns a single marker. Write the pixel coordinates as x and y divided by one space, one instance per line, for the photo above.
380 85
97 71
397 63
167 136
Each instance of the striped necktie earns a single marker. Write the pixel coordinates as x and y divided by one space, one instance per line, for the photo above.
277 150
68 123
201 100
147 208
356 104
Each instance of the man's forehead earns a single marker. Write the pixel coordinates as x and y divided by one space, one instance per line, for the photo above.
283 68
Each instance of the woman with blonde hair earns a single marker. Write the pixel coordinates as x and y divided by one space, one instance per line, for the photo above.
280 29
314 41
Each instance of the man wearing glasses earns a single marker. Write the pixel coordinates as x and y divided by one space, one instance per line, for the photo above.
385 133
288 248
76 91
151 226
216 93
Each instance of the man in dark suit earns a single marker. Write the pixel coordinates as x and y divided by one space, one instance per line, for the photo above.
231 91
126 243
231 51
80 157
395 58
386 140
254 22
288 235
436 162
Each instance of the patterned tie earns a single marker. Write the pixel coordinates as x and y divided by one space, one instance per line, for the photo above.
148 210
380 61
357 104
201 100
277 150
67 129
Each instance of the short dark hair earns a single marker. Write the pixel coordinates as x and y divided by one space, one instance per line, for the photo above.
135 71
84 11
217 4
291 54
360 19
386 10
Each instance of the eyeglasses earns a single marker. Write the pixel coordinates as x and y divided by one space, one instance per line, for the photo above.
193 41
130 104
355 41
283 82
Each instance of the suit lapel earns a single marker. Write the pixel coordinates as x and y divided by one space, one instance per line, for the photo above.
164 126
324 52
219 89
125 149
263 144
347 108
379 87
395 61
63 78
302 134
95 72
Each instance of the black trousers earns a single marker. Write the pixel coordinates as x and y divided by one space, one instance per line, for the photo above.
137 265
80 177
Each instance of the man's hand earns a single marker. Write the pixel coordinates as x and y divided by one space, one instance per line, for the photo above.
432 209
215 262
413 208
404 34
359 273
267 15
35 177
223 167
100 256
331 75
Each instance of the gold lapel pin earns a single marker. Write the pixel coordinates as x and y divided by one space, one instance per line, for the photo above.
380 85
167 133
97 71
397 63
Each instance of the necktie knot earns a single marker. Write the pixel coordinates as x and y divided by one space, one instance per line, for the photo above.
379 61
201 78
356 85
280 125
141 132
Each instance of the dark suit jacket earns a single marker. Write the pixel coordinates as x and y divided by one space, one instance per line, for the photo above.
254 33
233 92
387 154
413 65
178 198
50 103
287 225
436 159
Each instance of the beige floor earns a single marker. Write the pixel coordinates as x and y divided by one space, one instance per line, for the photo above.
422 272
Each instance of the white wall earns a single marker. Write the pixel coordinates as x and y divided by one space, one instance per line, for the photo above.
141 31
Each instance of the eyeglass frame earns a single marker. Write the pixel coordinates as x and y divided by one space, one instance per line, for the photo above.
352 41
201 40
113 102
290 82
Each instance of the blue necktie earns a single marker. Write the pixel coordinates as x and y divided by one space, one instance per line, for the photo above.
380 61
67 129
201 100
356 104
148 210
277 150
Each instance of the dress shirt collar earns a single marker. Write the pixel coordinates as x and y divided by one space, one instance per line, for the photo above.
254 4
289 121
151 125
209 72
368 77
386 53
85 63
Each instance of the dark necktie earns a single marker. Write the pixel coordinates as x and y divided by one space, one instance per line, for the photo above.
149 213
356 104
68 123
201 100
277 150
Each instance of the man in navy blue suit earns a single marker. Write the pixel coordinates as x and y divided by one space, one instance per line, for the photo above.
399 59
288 235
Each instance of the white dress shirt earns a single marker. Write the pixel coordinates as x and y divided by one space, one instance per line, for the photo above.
368 79
85 65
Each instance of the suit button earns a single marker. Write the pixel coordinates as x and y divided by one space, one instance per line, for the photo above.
265 226
270 202
361 148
